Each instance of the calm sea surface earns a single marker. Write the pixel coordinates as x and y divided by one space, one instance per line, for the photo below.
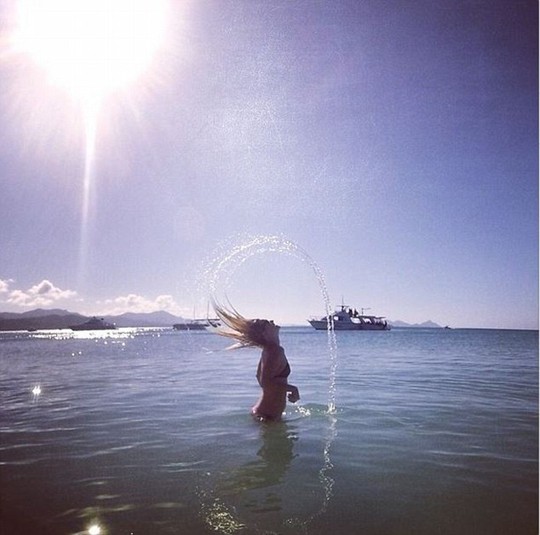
148 432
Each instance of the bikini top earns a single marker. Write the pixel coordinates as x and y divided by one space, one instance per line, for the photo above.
283 374
286 372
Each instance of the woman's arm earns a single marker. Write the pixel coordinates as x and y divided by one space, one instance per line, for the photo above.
294 395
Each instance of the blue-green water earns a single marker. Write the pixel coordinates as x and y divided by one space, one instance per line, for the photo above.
148 432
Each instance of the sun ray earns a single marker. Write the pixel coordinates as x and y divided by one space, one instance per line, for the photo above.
90 126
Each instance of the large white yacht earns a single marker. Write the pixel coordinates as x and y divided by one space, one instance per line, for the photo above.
347 318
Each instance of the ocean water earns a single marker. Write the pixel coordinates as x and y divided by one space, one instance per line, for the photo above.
147 431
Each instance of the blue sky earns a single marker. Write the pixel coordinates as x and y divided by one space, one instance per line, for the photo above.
396 143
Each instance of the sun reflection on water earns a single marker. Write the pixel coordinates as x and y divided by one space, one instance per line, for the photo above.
94 529
113 335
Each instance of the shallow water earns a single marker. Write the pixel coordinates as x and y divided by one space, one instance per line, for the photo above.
148 431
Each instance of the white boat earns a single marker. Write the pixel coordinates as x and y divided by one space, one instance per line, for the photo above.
348 319
93 324
196 325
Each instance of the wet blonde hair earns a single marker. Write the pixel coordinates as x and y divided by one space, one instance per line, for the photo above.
246 332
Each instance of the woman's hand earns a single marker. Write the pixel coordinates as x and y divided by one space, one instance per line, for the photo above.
294 395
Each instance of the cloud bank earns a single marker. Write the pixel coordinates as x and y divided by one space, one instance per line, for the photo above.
139 303
45 294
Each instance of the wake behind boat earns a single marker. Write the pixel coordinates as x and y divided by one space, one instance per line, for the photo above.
348 319
93 324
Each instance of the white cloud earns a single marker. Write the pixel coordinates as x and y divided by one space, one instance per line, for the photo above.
4 285
139 303
42 294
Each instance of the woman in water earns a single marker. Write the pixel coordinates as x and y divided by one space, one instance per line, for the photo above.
273 369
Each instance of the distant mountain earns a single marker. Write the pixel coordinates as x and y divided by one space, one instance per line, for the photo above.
45 319
63 319
37 313
425 325
150 319
40 312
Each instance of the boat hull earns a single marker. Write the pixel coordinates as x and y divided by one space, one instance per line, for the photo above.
322 325
190 327
79 328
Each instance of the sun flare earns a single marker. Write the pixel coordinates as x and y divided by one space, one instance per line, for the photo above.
91 47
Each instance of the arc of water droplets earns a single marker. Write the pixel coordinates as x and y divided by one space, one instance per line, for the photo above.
222 269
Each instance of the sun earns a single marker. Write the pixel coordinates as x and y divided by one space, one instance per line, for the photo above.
91 47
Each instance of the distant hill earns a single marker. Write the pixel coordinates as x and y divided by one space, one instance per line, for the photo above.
37 313
43 319
150 319
425 325
63 319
